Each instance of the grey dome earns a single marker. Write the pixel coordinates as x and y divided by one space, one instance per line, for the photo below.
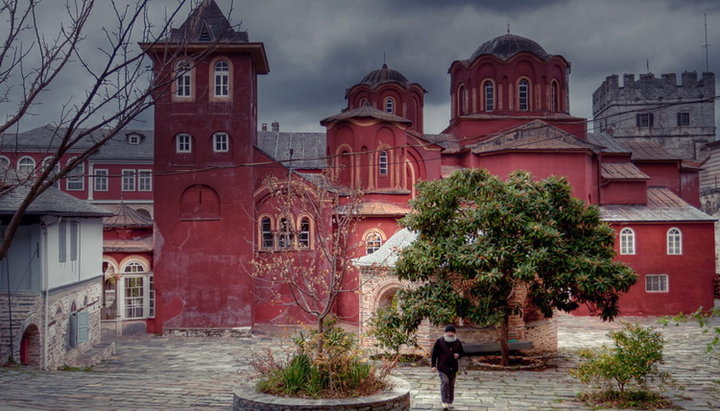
384 75
508 45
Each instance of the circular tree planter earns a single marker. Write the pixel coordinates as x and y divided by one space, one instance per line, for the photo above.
397 398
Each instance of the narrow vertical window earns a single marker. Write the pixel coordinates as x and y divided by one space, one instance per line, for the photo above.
183 143
144 180
134 297
151 297
523 95
674 241
304 234
76 178
62 242
268 240
100 179
627 241
554 96
183 82
462 95
489 96
74 240
389 105
373 242
128 180
383 163
221 143
284 236
222 79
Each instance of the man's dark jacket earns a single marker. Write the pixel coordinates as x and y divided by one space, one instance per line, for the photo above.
442 355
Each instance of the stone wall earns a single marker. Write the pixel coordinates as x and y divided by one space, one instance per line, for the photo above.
29 312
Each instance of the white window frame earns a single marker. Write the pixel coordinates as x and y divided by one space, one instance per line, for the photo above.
373 242
654 283
221 142
222 79
5 163
183 81
489 90
144 180
24 170
137 270
390 105
383 161
100 179
183 143
304 240
75 180
524 95
627 241
128 180
267 237
674 241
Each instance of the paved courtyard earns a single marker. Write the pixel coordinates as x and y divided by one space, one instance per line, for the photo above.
151 372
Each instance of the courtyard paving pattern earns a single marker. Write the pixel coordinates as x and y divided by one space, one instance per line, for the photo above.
151 372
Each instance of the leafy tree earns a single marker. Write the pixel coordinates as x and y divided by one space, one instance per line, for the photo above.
482 239
387 327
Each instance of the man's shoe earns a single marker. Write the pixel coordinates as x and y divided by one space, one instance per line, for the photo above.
445 406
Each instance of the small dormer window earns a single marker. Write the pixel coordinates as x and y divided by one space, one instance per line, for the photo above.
133 139
205 34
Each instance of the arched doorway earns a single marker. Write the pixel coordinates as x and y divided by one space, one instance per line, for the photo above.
30 349
386 298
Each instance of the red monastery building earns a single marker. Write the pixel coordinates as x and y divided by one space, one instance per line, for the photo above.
510 110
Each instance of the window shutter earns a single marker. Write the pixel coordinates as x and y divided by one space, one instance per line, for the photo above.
83 329
74 239
73 330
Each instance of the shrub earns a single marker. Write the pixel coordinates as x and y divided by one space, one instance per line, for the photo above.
325 364
634 359
389 330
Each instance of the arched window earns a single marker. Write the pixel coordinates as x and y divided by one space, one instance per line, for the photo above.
524 95
389 105
221 143
383 163
268 240
183 81
364 102
554 96
25 166
304 233
134 267
674 241
627 241
222 79
462 95
76 177
284 234
46 163
4 163
373 242
183 143
489 89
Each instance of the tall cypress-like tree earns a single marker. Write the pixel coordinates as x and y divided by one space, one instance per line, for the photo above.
481 239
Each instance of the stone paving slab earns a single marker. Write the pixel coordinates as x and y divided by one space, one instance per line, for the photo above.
151 372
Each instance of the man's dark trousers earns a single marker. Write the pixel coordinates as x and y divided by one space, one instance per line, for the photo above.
447 386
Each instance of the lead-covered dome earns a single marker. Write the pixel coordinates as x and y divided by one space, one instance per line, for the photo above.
384 75
508 45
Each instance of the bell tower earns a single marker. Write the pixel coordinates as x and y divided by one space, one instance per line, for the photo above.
205 130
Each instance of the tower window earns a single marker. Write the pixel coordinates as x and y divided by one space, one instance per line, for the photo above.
489 96
221 143
644 120
268 241
554 96
383 163
683 118
389 105
222 79
183 82
627 241
304 235
463 100
523 95
284 236
183 143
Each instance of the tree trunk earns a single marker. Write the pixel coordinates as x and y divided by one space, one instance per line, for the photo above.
504 346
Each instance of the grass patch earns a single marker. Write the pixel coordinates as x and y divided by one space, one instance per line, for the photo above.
637 400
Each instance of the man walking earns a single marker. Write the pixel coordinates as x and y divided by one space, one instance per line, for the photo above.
445 354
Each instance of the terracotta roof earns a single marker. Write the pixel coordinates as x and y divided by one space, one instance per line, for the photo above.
127 217
138 245
51 202
365 111
207 23
622 171
608 143
378 208
387 254
648 150
662 205
535 135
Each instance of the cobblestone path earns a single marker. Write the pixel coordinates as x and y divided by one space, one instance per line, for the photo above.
152 372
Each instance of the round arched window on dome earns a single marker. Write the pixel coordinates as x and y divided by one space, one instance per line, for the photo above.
524 95
489 90
390 105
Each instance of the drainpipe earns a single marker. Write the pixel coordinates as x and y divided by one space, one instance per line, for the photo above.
46 280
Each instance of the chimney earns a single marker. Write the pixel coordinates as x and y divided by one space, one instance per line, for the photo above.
264 127
275 126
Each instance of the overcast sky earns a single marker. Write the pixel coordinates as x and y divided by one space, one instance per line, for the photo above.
318 48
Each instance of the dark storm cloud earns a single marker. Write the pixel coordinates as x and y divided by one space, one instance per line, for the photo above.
319 48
